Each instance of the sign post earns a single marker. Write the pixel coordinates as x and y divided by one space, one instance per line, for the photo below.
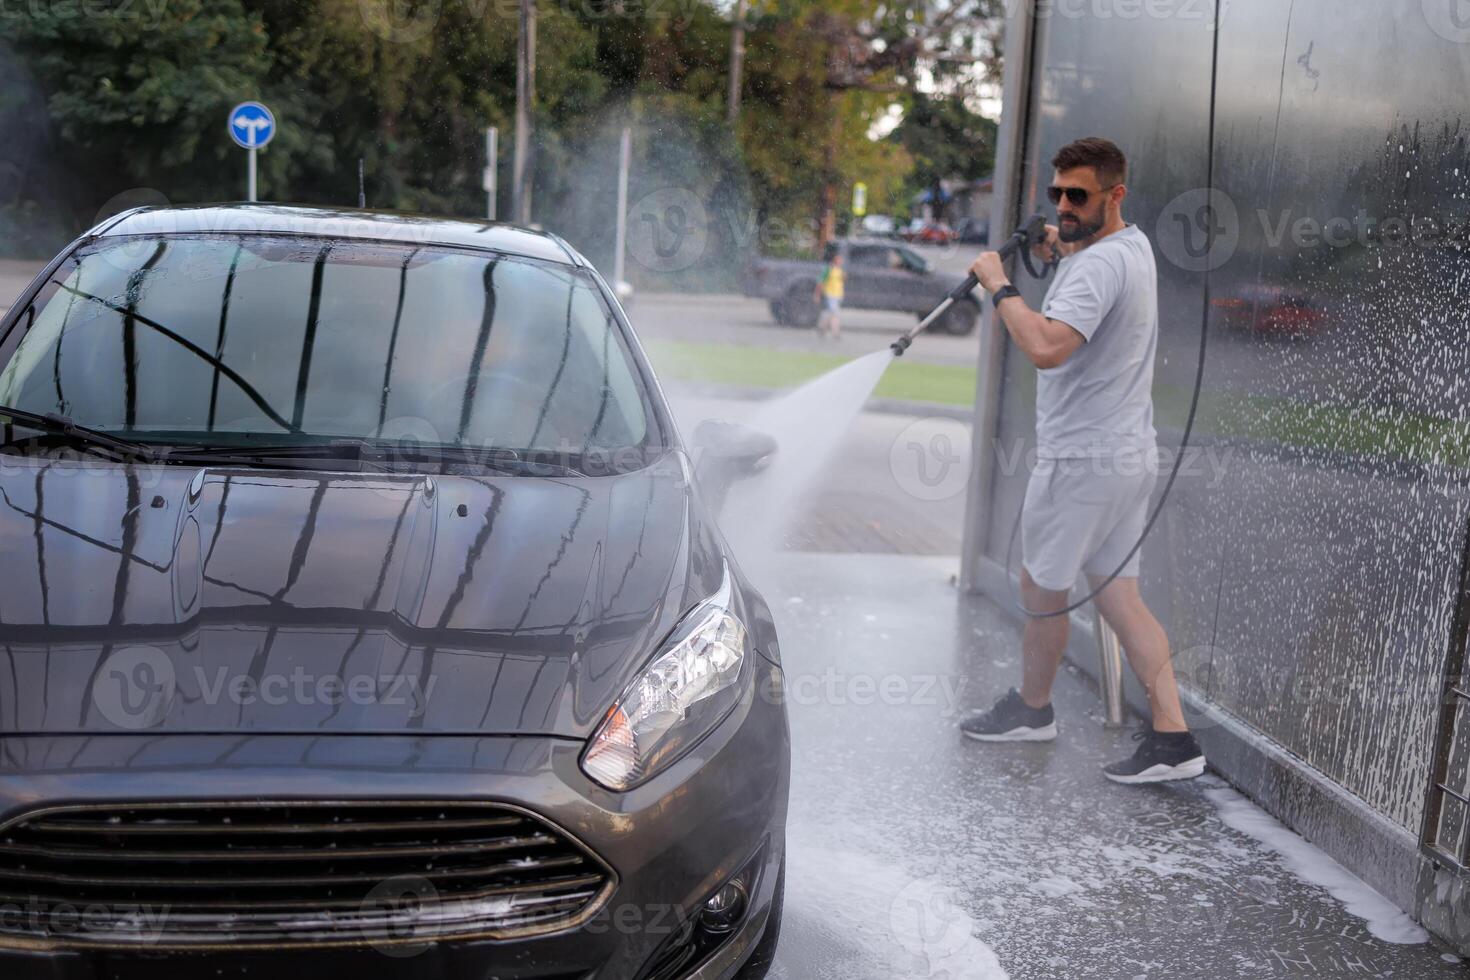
251 126
492 142
859 199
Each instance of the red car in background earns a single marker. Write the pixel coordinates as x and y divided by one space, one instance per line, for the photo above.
928 232
1267 310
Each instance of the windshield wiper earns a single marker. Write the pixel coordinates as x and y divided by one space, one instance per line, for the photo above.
331 449
509 461
82 435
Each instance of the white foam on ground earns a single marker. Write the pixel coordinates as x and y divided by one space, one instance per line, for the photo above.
1384 919
892 924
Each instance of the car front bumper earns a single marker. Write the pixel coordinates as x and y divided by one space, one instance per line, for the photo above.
671 842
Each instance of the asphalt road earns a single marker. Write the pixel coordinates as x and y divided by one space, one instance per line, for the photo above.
738 321
733 319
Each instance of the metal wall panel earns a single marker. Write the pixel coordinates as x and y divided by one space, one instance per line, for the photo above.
1340 358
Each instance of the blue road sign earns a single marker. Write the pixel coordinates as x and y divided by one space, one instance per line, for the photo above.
251 125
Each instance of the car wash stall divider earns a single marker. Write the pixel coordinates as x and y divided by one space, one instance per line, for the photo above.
1312 587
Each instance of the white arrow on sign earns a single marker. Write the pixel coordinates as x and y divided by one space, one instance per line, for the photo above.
252 125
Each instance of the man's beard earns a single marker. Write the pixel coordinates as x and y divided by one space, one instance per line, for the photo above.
1079 231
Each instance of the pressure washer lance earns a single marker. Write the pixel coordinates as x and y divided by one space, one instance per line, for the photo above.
1033 232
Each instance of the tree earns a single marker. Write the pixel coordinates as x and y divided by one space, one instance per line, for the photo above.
138 97
863 53
946 140
409 85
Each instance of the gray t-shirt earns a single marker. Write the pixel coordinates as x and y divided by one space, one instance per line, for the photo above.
1099 401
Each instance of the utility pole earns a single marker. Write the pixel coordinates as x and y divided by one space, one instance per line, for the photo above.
737 60
525 95
827 204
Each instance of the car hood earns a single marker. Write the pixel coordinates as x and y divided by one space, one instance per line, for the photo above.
176 599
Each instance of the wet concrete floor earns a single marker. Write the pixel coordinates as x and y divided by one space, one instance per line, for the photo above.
916 853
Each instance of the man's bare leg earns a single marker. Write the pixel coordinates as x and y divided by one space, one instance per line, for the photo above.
1147 647
1042 643
1026 715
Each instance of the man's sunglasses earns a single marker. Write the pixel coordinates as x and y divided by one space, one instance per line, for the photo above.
1076 196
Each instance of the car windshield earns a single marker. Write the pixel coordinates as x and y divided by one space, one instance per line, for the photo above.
255 340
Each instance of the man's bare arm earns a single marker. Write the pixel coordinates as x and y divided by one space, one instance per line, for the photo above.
1046 342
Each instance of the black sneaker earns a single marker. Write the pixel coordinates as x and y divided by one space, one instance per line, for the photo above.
1012 720
1160 756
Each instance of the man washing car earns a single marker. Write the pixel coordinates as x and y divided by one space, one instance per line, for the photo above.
1086 504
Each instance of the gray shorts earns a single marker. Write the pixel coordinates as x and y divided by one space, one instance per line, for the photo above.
1085 515
831 304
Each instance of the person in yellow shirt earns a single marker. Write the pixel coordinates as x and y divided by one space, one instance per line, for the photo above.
829 294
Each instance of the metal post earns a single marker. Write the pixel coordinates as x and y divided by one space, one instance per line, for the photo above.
625 163
492 150
1005 210
1109 670
250 180
737 60
525 94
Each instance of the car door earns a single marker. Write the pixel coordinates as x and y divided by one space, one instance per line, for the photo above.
869 275
912 282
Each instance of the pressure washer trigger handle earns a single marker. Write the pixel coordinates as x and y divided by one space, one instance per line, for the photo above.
1035 229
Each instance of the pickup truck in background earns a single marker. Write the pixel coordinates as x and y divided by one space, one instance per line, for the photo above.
880 276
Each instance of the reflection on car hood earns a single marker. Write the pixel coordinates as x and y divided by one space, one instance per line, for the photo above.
176 599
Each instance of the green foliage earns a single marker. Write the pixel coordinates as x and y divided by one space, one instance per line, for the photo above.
800 133
116 98
137 95
946 140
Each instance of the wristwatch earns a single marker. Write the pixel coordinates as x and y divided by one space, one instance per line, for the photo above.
1003 292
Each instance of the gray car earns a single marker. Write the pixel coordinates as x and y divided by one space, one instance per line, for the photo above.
364 614
880 275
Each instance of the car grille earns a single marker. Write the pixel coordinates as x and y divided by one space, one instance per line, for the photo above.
289 873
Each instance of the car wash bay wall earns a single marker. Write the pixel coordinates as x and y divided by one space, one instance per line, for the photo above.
1303 171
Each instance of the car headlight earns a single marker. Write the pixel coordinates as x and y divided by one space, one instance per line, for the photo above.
683 693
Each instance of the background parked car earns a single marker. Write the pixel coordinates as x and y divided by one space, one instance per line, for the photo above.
880 276
974 231
928 232
1270 310
880 226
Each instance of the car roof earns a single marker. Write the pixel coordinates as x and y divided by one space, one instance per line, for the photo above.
320 222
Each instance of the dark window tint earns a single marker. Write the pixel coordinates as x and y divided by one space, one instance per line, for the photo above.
217 340
870 256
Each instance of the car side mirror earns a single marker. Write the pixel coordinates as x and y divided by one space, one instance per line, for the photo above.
728 453
735 445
